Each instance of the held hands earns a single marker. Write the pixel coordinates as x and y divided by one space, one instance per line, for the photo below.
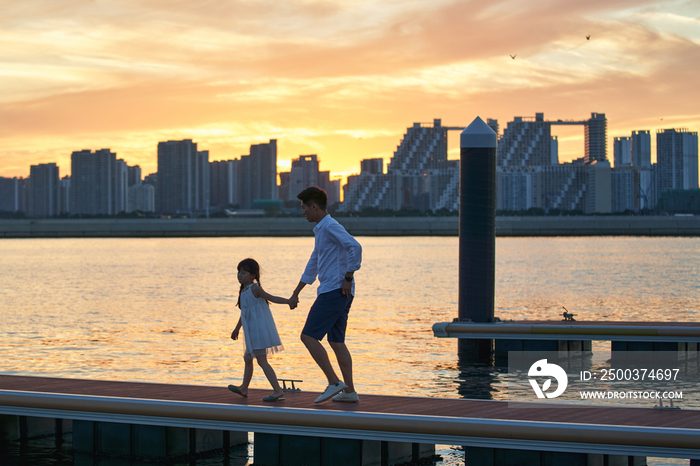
293 302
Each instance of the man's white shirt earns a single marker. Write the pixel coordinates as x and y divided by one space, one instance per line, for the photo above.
335 253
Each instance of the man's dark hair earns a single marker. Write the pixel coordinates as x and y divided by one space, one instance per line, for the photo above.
315 195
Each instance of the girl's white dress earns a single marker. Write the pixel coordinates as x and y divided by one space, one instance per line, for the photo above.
259 327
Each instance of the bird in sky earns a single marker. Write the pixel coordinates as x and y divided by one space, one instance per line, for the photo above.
588 37
513 56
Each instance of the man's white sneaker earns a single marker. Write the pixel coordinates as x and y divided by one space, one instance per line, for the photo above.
331 390
347 397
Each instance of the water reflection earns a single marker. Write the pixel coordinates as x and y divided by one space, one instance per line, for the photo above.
161 310
479 381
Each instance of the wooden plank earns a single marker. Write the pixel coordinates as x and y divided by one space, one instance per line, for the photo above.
379 404
484 423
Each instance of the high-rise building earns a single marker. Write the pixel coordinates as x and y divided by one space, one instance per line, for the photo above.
444 187
264 164
95 183
622 152
599 187
121 186
224 183
641 148
12 194
43 193
134 175
676 159
596 132
380 191
526 141
562 187
204 185
529 174
633 189
64 186
493 124
284 190
646 188
151 179
183 178
305 172
423 147
555 151
331 187
257 174
142 197
372 166
419 176
624 189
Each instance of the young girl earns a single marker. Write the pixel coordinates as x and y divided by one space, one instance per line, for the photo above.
259 330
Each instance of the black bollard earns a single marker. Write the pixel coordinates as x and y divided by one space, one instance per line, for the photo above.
477 233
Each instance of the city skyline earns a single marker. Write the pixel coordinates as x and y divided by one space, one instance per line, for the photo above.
419 175
610 143
333 79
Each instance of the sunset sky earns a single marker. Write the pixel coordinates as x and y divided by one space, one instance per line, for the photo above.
341 79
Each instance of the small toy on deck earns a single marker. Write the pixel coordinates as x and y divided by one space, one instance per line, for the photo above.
284 384
661 404
567 315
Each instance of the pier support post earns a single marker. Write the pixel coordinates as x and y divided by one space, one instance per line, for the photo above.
477 232
23 428
297 450
9 428
149 441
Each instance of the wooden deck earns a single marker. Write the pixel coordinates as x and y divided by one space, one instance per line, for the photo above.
607 430
579 330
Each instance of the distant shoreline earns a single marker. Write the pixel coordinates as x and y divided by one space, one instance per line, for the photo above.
358 226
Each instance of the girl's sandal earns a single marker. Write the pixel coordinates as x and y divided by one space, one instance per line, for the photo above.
235 390
274 398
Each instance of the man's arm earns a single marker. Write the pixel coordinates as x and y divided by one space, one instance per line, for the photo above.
354 250
311 270
294 300
350 244
307 278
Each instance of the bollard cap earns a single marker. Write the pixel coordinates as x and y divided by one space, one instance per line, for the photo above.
478 135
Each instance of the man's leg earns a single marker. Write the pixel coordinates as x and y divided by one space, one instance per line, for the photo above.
318 352
345 362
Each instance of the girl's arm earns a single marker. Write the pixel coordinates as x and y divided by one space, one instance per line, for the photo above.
236 331
258 292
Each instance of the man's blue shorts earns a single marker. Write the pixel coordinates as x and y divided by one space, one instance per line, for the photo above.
328 316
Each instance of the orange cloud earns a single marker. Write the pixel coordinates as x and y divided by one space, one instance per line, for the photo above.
339 79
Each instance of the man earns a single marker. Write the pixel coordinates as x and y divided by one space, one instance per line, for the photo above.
336 257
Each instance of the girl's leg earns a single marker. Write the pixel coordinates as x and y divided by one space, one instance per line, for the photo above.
270 374
247 375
